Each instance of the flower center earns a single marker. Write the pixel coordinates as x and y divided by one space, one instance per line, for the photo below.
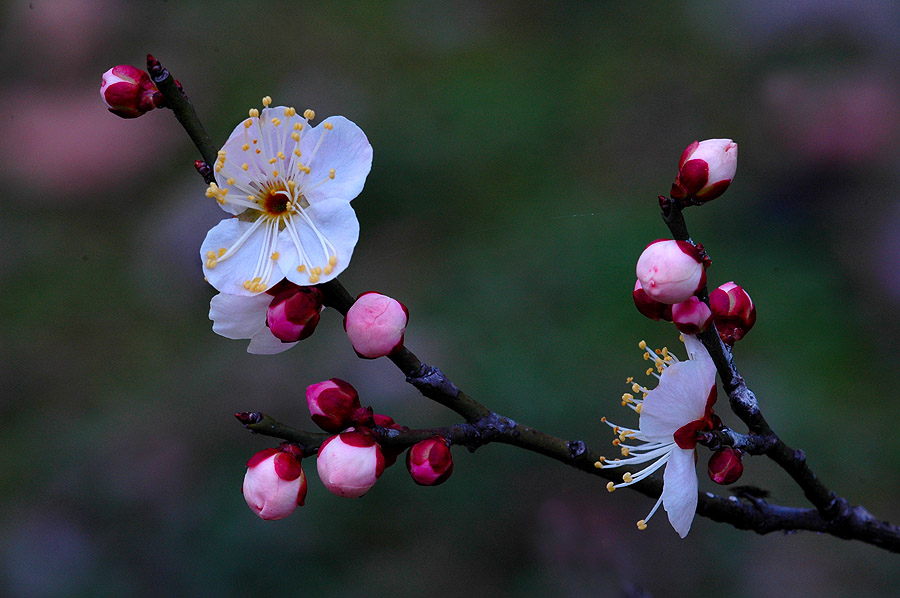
276 202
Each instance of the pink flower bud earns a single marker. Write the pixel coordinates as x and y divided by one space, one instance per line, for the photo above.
733 312
375 325
275 484
648 307
429 462
128 91
725 466
691 316
350 463
332 404
294 312
705 170
671 271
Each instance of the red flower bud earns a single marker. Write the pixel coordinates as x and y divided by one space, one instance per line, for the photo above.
671 271
429 462
128 91
332 404
705 170
725 466
649 307
733 312
691 316
294 312
275 485
375 324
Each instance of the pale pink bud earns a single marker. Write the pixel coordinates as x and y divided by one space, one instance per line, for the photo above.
733 312
671 271
705 170
332 404
350 463
725 466
375 324
429 462
275 484
691 316
648 307
128 91
294 312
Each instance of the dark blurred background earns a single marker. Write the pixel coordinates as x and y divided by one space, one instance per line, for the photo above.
519 149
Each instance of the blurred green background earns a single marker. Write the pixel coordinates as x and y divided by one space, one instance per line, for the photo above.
519 149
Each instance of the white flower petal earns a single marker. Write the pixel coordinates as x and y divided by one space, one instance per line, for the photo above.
679 399
235 157
698 354
229 274
336 221
345 149
237 317
265 343
679 494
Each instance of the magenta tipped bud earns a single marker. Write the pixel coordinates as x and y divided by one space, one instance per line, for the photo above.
691 316
294 312
333 404
275 485
671 271
733 312
128 91
375 324
649 307
350 463
705 170
429 462
725 466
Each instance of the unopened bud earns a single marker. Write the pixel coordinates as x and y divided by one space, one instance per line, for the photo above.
294 312
350 463
691 316
671 271
275 485
429 462
649 307
128 91
332 404
725 466
733 312
705 170
375 324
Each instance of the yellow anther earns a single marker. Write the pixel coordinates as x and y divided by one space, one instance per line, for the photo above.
274 173
314 279
602 460
603 419
317 270
624 451
218 167
221 251
598 465
210 254
276 121
331 173
291 185
267 101
298 126
626 477
275 255
328 269
254 113
638 408
629 379
646 356
642 525
297 152
221 153
251 198
649 371
245 147
248 123
280 155
295 136
332 261
289 112
328 126
635 387
258 151
642 345
616 442
229 181
246 284
610 486
289 206
245 166
306 169
211 263
309 114
301 268
627 397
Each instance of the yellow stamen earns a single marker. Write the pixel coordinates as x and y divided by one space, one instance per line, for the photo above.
331 173
276 255
610 487
642 525
254 113
626 477
328 126
309 114
266 101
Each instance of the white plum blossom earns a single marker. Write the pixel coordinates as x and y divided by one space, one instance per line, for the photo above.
288 186
670 417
